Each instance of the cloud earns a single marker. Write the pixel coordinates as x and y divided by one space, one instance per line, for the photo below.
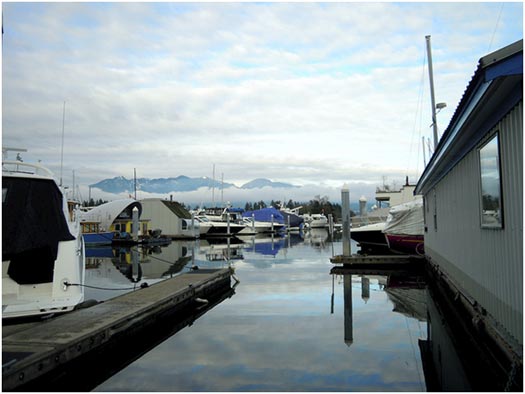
296 92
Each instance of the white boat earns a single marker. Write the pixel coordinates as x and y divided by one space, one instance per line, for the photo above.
210 228
253 226
405 228
43 268
315 220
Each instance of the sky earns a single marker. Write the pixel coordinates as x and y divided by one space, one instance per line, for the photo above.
313 94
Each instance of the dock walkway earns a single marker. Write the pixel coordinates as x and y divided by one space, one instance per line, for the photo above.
30 351
375 264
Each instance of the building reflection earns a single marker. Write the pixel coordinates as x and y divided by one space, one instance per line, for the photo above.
453 358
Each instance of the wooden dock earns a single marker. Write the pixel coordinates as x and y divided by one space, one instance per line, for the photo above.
30 352
375 264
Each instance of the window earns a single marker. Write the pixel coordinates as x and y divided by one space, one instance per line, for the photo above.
491 203
435 211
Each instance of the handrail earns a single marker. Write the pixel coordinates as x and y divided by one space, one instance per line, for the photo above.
19 167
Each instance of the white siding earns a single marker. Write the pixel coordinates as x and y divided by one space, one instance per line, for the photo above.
161 217
487 264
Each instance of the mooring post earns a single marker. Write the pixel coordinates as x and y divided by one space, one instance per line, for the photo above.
135 270
348 310
345 199
135 224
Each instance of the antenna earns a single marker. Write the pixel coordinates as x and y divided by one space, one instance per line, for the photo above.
62 150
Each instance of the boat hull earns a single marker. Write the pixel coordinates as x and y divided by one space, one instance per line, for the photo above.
103 238
370 240
407 244
219 230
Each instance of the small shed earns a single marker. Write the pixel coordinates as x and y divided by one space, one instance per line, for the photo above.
473 194
171 217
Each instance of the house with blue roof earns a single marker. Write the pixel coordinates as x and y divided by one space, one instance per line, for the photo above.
473 201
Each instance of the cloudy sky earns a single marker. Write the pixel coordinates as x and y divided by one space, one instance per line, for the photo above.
307 93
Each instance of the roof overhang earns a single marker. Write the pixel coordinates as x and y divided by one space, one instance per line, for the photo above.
495 88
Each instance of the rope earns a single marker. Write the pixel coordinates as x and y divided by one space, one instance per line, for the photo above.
495 27
142 286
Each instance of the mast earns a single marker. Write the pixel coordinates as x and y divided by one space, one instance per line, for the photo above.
222 188
432 97
62 150
135 182
213 188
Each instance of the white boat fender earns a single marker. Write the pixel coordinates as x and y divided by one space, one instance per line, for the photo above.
201 300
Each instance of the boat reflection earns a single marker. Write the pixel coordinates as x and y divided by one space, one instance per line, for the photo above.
112 271
407 293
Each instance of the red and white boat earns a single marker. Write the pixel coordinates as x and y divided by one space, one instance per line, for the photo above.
404 229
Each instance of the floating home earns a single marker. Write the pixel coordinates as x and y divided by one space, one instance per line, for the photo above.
171 217
115 216
473 200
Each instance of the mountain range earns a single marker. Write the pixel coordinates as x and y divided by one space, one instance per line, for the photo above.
179 184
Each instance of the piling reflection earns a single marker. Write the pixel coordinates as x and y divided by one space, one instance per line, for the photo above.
407 293
452 357
112 271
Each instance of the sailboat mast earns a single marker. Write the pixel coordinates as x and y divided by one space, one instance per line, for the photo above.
62 149
432 96
213 188
135 182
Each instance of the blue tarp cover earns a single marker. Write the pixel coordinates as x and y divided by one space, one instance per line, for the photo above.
265 215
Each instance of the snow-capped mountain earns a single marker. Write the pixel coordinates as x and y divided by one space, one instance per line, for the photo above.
179 184
262 182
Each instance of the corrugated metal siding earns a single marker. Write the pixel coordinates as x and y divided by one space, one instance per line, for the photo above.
486 263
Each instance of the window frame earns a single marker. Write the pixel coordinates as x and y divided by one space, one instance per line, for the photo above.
500 224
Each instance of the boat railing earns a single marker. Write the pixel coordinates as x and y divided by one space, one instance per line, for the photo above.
359 221
16 166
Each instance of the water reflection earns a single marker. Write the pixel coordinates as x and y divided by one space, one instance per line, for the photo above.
383 331
408 295
112 271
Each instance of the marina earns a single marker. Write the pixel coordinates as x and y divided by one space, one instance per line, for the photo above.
419 290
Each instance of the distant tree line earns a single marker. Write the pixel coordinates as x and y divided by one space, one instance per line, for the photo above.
93 203
317 205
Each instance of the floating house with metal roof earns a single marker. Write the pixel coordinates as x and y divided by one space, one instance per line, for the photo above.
114 217
171 217
473 198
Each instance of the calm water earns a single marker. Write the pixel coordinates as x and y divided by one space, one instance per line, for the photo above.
290 326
